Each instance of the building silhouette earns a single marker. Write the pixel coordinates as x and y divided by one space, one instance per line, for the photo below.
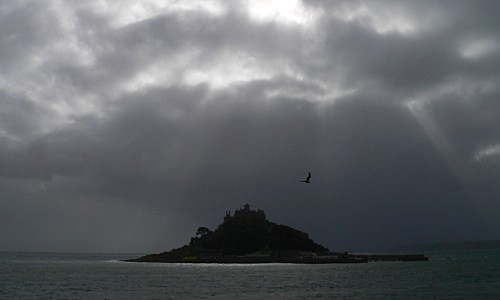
245 213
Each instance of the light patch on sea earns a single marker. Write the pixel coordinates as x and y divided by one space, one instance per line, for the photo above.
447 275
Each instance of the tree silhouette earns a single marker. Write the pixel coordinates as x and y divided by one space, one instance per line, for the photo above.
202 231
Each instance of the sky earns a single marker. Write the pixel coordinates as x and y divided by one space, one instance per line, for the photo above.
126 125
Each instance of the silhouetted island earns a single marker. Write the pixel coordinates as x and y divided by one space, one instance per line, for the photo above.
248 237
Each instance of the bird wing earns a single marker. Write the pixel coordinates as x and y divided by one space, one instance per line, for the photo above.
308 176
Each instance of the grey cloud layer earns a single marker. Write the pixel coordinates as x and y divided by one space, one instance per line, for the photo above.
158 160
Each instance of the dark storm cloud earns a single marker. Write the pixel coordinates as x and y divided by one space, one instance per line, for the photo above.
397 128
178 153
408 61
121 53
24 28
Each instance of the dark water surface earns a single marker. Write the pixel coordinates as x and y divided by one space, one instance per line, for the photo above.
447 275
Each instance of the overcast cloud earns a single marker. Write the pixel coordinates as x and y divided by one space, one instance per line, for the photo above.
125 125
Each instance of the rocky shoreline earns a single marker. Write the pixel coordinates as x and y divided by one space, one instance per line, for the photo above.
321 259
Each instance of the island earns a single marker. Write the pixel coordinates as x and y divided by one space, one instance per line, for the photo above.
248 237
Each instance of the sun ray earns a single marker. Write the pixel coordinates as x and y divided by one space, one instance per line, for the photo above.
438 137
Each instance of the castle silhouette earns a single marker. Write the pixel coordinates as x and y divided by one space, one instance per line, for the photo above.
245 213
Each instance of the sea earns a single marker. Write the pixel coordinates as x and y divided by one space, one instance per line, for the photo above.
467 274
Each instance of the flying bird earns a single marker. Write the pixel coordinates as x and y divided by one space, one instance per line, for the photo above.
307 179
